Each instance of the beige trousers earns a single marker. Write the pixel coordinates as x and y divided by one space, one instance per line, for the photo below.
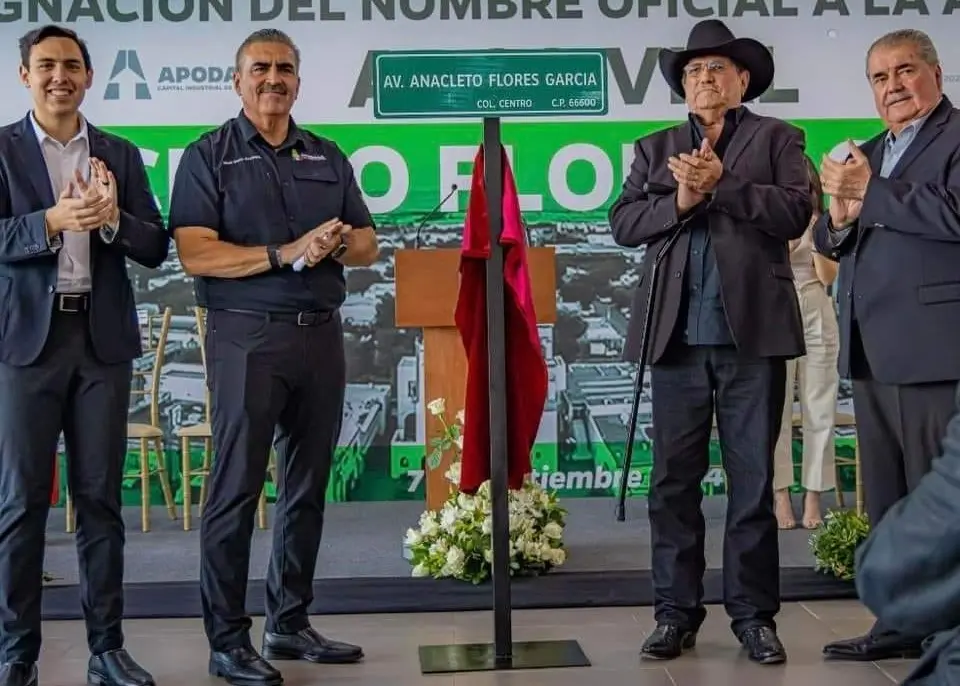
818 380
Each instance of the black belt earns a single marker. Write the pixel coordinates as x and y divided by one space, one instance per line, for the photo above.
311 318
71 303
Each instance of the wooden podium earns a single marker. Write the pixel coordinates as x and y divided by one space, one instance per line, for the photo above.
427 287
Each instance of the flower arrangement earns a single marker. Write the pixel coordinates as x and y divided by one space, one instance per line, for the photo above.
456 541
835 543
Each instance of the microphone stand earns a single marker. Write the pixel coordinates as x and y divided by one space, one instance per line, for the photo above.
661 255
431 214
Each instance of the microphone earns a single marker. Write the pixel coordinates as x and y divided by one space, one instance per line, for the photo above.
301 262
432 213
654 188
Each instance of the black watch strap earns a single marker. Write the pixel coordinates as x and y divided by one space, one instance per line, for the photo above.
273 254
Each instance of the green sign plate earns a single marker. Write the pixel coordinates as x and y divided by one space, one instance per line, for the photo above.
489 83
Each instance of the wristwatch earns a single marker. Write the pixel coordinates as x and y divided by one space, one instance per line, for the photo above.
273 254
337 252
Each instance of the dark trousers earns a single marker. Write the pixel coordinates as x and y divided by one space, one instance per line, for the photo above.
688 386
900 429
66 390
268 375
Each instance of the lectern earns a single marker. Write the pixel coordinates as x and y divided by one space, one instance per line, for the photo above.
427 285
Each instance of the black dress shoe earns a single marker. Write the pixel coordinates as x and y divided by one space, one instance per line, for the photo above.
18 674
117 668
873 647
763 646
244 667
310 646
668 641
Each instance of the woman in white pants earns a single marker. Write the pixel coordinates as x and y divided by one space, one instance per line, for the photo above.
817 377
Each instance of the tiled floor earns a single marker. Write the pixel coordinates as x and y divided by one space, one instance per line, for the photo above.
175 650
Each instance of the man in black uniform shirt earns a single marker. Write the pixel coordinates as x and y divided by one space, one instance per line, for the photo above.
250 199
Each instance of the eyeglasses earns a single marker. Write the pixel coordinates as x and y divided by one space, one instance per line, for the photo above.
694 71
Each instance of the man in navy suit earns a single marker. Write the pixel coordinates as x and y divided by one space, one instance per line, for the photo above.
75 203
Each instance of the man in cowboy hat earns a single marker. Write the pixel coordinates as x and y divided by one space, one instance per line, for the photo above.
725 321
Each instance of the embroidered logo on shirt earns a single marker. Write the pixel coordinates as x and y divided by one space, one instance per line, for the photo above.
251 158
297 156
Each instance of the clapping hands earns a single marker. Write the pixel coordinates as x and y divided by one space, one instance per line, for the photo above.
85 206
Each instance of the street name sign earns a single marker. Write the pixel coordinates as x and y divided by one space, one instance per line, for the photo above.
489 83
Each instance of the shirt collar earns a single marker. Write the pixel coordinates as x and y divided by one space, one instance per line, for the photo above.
733 116
42 135
249 131
913 127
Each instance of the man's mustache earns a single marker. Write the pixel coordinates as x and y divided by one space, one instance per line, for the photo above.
267 88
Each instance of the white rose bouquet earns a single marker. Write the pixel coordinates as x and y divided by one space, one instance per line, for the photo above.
456 541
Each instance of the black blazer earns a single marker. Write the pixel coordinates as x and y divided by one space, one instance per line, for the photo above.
761 202
900 264
28 268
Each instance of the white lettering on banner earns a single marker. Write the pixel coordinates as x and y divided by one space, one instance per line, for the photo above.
399 177
150 158
557 177
452 156
173 162
597 479
451 159
626 159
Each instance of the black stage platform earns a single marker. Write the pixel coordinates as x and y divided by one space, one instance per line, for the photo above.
361 568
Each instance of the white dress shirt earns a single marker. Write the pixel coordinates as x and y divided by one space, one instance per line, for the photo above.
73 247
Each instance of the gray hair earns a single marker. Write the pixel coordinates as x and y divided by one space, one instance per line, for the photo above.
268 36
920 40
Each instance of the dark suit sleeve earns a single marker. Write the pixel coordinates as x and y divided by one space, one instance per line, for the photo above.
23 237
907 569
925 210
833 244
782 208
637 218
141 234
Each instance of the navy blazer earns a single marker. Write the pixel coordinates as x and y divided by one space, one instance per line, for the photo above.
28 268
900 263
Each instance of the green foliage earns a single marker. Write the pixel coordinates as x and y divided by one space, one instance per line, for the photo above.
835 543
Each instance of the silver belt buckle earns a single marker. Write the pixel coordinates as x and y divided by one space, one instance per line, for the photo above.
66 298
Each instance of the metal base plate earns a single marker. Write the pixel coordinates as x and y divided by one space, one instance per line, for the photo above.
481 657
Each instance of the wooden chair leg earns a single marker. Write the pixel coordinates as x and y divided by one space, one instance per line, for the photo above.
165 479
262 509
838 489
207 462
185 480
70 515
144 486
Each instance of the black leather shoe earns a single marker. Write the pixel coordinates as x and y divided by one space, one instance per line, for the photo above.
763 646
243 667
873 647
667 642
18 674
310 646
117 668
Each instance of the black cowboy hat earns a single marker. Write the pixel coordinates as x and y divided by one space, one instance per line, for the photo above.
712 37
